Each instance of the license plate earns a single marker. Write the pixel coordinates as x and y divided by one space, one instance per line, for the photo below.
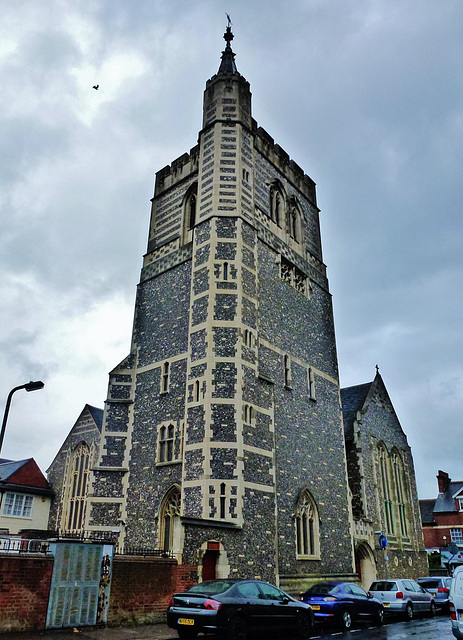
315 607
386 604
460 616
188 621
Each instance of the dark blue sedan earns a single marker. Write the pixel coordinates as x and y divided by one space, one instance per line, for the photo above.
342 602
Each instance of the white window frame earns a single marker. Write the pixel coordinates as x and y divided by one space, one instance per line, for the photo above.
456 535
17 505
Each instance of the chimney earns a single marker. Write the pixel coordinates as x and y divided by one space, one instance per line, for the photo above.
443 481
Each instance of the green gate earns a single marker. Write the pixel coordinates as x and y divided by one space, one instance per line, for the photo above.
75 584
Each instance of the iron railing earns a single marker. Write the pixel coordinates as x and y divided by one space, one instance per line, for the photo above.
20 546
145 552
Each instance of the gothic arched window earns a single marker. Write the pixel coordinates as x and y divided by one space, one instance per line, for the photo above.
276 204
385 476
189 212
294 220
307 527
77 481
169 521
399 480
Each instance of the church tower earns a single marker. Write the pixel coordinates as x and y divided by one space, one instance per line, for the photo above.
222 439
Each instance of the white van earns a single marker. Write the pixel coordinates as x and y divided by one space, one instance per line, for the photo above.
456 603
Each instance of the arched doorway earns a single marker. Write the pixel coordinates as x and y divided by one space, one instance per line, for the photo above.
213 561
365 564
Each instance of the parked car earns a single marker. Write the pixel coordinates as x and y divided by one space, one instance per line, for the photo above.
439 588
456 603
342 602
236 608
404 597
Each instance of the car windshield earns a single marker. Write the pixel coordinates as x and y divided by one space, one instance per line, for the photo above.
429 584
324 588
383 585
211 588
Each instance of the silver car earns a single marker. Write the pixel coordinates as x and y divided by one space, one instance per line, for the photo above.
404 597
439 588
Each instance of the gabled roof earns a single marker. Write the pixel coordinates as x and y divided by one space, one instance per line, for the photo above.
353 400
445 502
426 509
358 398
24 474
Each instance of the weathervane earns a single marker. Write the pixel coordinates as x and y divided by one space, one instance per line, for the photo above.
230 23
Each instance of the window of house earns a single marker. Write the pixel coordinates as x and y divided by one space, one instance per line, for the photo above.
166 440
388 507
77 481
165 373
17 505
307 527
460 504
456 536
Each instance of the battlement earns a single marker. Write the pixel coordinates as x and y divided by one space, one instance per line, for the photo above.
181 168
282 161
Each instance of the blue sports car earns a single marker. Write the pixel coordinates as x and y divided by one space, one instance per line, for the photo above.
342 602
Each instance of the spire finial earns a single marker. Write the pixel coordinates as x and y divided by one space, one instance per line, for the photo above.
227 64
377 368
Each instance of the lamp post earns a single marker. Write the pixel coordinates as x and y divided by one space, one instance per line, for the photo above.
29 386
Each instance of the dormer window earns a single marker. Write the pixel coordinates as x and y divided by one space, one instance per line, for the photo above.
460 504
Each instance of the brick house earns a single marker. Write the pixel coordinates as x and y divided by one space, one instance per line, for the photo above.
442 518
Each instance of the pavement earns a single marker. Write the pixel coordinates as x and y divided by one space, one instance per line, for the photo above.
145 632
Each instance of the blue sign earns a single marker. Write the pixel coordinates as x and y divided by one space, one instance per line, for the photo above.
382 541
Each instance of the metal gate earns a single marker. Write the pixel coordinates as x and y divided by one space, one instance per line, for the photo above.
75 584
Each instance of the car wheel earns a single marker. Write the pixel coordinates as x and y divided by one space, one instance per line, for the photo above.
379 617
187 634
408 612
346 620
432 609
304 625
237 629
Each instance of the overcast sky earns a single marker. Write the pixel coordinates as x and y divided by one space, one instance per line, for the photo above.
366 96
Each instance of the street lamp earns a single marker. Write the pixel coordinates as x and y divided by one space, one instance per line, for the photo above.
29 386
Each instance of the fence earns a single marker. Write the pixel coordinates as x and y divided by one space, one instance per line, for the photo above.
20 546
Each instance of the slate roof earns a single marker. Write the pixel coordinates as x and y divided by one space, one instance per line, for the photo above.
8 467
97 415
352 400
445 502
427 508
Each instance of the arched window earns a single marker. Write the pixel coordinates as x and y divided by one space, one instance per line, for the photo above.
169 521
276 204
294 220
189 212
77 481
385 476
165 377
399 480
166 440
307 527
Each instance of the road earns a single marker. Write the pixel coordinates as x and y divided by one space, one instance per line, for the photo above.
438 628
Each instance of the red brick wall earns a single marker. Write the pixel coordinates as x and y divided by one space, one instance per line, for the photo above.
24 589
141 588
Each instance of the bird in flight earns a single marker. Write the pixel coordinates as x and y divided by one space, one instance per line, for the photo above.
96 86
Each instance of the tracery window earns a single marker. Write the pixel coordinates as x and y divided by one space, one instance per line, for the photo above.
388 506
77 487
307 527
169 521
400 491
